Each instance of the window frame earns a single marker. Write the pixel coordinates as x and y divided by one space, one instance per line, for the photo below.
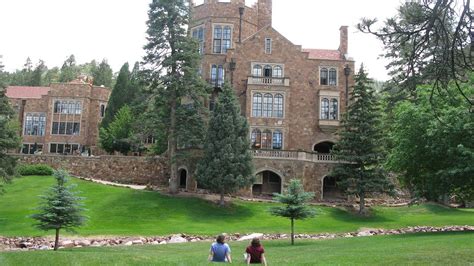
258 132
35 123
260 109
220 38
331 74
268 45
200 36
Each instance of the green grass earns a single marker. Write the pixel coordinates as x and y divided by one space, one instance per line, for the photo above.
414 249
122 211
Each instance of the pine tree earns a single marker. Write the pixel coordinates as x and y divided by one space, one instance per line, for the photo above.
171 70
122 94
103 74
60 208
37 75
295 205
69 70
227 163
360 148
9 138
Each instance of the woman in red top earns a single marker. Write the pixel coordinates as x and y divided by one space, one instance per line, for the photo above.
255 253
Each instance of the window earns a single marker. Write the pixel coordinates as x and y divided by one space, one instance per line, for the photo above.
257 105
333 110
102 110
277 72
31 148
267 139
67 107
277 140
257 71
150 140
35 124
324 109
198 34
278 107
267 105
267 71
62 148
222 39
66 128
256 138
328 76
268 45
217 75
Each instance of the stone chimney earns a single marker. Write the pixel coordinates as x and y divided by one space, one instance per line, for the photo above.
264 13
343 41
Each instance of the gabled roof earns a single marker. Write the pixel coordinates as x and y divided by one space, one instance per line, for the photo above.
26 92
323 54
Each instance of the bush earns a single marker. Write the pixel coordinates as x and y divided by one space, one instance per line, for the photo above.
34 169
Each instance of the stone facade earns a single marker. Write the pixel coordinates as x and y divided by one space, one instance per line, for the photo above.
119 169
61 118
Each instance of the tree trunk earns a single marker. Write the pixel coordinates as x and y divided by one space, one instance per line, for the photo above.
362 203
172 145
56 240
222 202
292 231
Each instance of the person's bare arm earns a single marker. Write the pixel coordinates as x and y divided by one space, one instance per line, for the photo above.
248 259
211 254
229 259
264 261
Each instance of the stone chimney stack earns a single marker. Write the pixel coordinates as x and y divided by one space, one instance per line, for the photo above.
343 41
264 13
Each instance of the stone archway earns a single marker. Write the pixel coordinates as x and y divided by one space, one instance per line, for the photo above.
267 182
182 178
323 147
330 189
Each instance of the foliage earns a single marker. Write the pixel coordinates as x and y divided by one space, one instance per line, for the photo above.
60 208
69 71
34 169
116 137
9 138
37 75
360 149
171 68
227 162
433 148
428 42
103 74
295 204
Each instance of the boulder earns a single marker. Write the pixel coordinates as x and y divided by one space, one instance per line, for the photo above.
137 242
177 239
67 244
84 243
250 237
128 243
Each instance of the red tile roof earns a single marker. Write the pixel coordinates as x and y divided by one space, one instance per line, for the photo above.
25 92
323 54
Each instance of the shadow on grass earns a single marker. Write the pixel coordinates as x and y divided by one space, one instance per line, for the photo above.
375 216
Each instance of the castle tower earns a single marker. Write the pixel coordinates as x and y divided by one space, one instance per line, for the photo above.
264 13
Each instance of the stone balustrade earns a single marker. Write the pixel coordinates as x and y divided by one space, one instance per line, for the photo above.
269 81
294 155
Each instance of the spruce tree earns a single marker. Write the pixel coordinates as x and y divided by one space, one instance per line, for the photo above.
294 208
103 74
171 68
37 75
227 163
69 70
60 208
359 151
122 94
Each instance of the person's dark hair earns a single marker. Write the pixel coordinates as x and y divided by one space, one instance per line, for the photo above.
255 242
220 239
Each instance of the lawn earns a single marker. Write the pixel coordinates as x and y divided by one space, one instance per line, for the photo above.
412 249
123 211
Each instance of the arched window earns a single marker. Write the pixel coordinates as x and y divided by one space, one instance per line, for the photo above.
257 71
323 76
267 71
277 72
256 138
267 139
332 76
278 105
257 105
267 105
325 109
102 110
277 140
333 110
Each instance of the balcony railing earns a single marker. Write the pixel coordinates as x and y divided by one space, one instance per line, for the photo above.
294 155
268 81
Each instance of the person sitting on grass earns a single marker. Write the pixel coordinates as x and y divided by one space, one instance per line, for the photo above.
220 251
255 252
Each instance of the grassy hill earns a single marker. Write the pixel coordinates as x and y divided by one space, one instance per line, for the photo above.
123 211
412 249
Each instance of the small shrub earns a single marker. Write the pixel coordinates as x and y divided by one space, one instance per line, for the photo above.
34 169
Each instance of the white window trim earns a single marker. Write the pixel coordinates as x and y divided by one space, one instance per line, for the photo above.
223 69
330 95
231 36
270 48
67 99
272 129
24 124
273 93
273 65
328 68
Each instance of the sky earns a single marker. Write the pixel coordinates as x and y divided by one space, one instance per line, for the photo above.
52 30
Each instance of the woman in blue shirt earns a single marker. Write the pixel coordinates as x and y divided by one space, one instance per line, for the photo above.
220 251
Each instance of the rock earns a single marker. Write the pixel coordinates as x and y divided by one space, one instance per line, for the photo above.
250 237
84 243
137 242
177 239
155 243
364 233
163 242
67 244
128 243
25 245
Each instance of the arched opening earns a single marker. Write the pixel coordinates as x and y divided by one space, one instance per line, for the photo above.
331 190
266 183
183 176
323 147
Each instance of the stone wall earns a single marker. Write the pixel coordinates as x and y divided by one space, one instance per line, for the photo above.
120 169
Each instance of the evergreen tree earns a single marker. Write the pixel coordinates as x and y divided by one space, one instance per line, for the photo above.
360 148
103 74
295 205
60 208
117 136
227 163
37 75
171 70
52 75
69 71
122 94
9 138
